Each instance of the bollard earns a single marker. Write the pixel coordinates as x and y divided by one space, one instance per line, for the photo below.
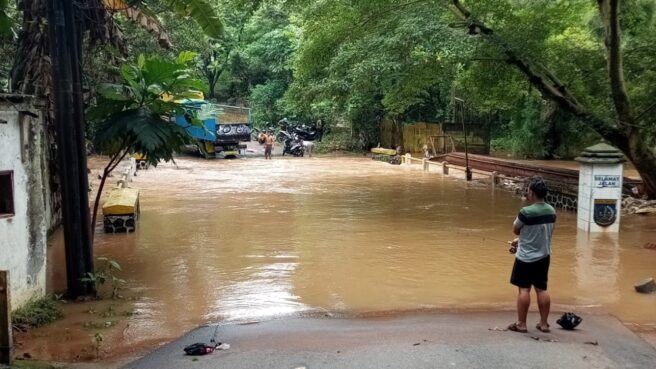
495 179
408 159
445 168
425 163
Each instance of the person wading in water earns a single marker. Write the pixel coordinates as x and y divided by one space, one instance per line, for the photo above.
268 146
534 225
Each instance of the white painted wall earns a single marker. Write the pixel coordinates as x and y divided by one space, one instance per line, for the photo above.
23 236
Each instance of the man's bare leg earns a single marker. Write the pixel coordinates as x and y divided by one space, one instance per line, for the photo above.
544 305
523 303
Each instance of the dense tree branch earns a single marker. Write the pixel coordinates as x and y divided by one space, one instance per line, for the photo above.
540 77
628 138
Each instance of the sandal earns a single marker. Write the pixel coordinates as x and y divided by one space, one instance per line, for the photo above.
543 330
513 327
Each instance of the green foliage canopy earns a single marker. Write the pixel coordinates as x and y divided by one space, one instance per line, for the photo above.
373 59
134 114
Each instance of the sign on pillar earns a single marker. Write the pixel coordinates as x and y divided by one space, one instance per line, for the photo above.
600 189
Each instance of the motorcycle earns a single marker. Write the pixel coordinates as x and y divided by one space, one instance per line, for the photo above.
308 133
293 145
303 131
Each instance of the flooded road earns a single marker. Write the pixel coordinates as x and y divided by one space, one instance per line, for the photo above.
248 239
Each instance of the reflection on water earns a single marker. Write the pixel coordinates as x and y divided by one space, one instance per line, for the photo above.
249 239
597 265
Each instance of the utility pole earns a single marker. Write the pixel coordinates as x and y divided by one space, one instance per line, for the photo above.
65 40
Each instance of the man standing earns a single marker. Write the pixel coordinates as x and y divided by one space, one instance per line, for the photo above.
534 226
268 146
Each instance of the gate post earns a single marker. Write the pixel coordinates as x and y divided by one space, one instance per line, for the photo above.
495 179
6 345
600 189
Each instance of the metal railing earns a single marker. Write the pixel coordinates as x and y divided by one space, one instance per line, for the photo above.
494 177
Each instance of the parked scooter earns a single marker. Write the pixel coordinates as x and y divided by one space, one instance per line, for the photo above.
307 133
293 144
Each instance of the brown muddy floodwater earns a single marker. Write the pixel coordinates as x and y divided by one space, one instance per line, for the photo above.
248 239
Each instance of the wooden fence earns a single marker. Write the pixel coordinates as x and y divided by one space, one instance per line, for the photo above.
478 137
416 135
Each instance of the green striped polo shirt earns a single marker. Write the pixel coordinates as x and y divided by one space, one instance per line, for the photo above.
536 223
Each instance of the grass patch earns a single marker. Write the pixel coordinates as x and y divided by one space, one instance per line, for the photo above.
37 312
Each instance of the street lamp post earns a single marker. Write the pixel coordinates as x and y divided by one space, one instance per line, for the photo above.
460 113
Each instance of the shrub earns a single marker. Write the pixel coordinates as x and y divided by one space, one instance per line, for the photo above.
337 141
38 312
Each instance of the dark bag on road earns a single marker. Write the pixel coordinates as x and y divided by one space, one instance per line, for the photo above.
198 349
569 321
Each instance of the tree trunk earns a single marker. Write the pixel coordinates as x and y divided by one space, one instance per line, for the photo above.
644 160
549 118
96 203
109 168
635 145
212 86
210 74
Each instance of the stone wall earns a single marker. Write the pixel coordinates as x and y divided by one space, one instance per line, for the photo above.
23 234
561 195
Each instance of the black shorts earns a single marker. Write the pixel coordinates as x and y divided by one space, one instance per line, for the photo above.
525 275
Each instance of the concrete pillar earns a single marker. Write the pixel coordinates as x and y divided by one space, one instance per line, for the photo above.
425 164
445 168
601 171
133 168
408 159
494 179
